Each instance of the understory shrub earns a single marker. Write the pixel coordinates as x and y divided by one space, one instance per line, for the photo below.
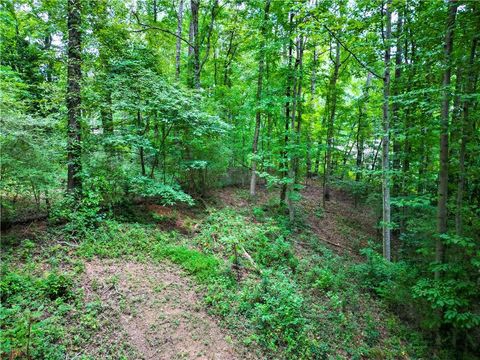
31 314
275 307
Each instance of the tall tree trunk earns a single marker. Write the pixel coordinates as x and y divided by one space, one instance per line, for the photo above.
444 118
74 77
308 160
258 112
228 60
291 164
190 46
155 10
195 5
396 106
313 79
141 149
466 130
288 93
360 138
178 48
332 89
386 137
296 116
300 47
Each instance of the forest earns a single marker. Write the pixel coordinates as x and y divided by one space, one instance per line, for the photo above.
240 179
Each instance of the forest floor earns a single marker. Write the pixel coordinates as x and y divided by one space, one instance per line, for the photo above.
343 225
141 296
157 310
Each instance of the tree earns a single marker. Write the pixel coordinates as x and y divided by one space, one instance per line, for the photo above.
258 98
442 219
386 136
332 107
466 133
179 41
195 39
300 94
74 77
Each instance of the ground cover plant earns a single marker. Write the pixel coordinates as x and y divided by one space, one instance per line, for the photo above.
239 179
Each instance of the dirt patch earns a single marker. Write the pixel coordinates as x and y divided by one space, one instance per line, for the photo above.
238 197
28 230
340 225
159 313
169 218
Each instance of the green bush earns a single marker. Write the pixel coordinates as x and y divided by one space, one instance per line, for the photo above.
168 195
276 253
275 307
79 216
385 278
31 314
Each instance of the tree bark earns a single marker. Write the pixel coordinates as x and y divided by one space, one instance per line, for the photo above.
465 130
444 118
178 48
141 149
300 47
313 79
213 14
258 112
288 93
228 60
396 107
74 77
291 163
360 138
386 137
296 116
331 124
195 5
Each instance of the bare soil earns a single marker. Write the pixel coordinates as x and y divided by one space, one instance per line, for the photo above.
155 313
343 226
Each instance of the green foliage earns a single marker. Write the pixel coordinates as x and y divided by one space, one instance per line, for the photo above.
388 280
301 313
276 253
31 313
275 307
453 298
194 262
228 233
147 133
79 216
113 240
169 195
455 293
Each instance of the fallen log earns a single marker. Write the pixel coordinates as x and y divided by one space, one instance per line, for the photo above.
7 224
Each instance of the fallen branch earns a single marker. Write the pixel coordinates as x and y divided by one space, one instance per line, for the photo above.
322 240
67 243
247 256
6 224
332 243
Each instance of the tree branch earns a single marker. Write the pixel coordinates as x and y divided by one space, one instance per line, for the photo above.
360 62
147 27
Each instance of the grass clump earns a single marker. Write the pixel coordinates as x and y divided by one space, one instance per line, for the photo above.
203 267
